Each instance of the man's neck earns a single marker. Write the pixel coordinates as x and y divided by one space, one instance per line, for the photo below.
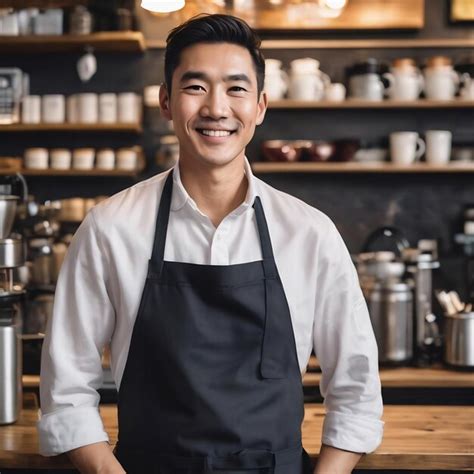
217 191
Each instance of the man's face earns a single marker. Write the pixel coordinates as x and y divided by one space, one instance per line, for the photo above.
214 103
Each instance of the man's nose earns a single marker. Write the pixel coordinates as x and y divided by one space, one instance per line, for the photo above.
215 106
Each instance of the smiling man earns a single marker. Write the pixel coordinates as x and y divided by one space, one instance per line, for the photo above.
212 289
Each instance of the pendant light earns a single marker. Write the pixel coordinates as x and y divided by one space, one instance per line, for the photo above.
162 6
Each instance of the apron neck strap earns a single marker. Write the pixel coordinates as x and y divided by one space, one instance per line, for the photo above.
161 229
269 266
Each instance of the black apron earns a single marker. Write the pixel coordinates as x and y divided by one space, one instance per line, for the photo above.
212 381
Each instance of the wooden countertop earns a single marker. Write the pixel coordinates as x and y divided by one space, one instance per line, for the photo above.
436 376
400 377
416 437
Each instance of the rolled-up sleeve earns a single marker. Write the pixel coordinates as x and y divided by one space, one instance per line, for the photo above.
346 349
71 369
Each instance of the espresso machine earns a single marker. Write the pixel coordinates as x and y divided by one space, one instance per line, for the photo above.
12 256
397 284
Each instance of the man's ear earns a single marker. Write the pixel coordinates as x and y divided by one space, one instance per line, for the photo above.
165 102
262 107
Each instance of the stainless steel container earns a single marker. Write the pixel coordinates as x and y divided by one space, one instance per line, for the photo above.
10 372
7 214
459 339
391 313
12 252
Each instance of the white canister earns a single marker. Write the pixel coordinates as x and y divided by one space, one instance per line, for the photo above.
71 109
108 108
36 158
438 146
128 105
105 159
53 108
31 109
60 159
88 108
83 158
126 159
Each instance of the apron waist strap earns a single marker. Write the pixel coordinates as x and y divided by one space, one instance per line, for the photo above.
245 459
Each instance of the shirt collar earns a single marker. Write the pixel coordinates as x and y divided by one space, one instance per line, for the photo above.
181 197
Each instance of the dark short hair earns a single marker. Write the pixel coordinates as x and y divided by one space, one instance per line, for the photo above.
217 28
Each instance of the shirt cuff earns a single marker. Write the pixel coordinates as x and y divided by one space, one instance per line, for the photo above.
70 428
352 433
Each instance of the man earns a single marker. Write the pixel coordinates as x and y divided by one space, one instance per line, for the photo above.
210 335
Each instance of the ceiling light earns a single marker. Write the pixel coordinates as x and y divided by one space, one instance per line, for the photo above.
335 4
163 6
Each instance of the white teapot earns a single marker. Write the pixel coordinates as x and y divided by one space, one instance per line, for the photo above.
276 80
307 81
405 80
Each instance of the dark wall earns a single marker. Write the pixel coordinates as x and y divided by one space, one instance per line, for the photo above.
423 206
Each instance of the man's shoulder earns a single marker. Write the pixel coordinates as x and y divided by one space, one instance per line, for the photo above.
285 207
130 201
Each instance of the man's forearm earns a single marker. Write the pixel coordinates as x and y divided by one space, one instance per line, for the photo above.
336 461
95 458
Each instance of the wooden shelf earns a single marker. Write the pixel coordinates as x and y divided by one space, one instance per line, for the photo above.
119 41
353 44
367 104
355 167
73 127
73 172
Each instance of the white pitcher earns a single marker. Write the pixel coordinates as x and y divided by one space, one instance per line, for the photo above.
276 80
307 81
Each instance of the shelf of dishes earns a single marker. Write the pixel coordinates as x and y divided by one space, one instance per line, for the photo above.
404 154
42 29
392 43
78 162
19 110
368 104
261 167
372 80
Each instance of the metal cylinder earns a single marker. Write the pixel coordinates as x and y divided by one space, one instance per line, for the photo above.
459 339
391 313
10 372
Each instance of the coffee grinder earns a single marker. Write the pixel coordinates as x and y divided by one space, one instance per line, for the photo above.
12 255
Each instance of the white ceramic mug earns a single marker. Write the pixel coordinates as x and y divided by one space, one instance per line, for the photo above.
53 108
128 105
105 159
406 147
31 109
335 92
83 158
36 158
60 159
88 108
108 108
438 146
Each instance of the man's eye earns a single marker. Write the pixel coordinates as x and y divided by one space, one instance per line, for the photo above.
195 87
238 89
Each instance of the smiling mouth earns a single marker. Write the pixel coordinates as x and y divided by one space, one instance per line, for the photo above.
215 133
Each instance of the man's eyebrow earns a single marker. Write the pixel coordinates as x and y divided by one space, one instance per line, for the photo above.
189 75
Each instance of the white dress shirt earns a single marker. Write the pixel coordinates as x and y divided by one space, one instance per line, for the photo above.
103 275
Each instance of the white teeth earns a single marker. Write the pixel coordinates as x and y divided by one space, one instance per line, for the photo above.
216 133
